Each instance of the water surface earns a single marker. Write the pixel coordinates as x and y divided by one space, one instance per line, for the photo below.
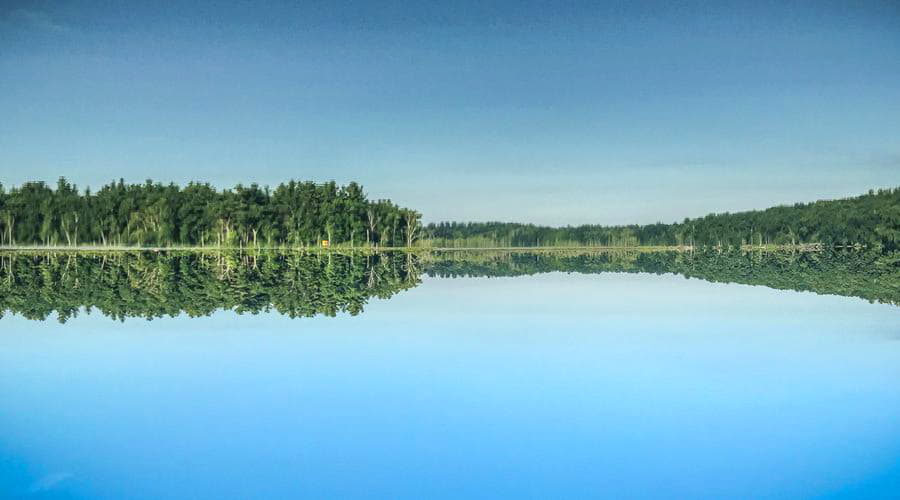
615 378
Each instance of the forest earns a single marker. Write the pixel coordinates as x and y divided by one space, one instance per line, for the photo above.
295 214
872 219
302 214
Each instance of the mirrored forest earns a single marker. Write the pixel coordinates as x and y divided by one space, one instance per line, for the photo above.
870 275
156 284
153 284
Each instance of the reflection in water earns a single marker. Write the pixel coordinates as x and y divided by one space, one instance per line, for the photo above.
156 284
153 284
869 275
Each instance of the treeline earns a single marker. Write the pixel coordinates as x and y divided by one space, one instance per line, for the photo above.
301 214
152 214
872 219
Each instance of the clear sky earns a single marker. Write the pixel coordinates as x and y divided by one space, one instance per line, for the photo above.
548 112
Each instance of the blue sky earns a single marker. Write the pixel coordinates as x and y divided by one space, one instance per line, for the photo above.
519 111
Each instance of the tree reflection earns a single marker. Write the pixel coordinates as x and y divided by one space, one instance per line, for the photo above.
298 284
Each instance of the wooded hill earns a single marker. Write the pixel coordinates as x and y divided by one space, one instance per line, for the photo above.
872 219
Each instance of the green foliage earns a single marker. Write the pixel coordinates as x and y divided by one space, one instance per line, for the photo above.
301 214
295 214
872 219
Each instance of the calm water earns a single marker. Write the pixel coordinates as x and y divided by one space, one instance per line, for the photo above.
620 380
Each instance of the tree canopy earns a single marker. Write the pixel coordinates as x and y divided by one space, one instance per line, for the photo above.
152 214
301 214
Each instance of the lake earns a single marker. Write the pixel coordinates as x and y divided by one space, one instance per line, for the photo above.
450 375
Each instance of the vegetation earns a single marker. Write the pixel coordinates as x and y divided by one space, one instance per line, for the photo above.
298 284
295 214
872 219
275 276
301 214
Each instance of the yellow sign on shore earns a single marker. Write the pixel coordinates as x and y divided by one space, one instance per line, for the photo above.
324 243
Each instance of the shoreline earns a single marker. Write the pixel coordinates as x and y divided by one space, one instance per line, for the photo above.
808 247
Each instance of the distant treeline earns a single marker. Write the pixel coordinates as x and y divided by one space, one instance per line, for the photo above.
872 219
153 214
301 214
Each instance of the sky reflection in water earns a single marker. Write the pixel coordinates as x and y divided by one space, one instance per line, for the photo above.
555 385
